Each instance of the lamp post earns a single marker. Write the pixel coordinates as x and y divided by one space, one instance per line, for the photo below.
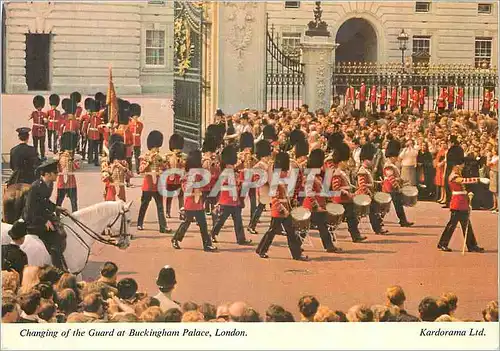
403 39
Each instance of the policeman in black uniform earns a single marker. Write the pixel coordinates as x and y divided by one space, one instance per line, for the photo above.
23 159
40 214
13 258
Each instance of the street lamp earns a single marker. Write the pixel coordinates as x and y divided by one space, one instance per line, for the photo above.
403 39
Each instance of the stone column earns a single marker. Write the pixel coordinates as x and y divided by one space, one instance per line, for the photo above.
317 56
241 55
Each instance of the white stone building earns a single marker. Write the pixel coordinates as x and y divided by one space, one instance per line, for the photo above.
65 46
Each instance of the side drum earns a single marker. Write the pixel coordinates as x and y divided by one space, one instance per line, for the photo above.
334 214
382 202
301 218
410 195
362 205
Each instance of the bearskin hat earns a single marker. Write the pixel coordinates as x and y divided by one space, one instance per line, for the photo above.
135 110
209 144
269 132
193 160
117 151
341 153
217 131
69 106
335 139
263 148
282 161
455 156
75 97
155 139
69 141
229 155
39 101
176 142
367 152
54 100
114 138
123 111
100 98
295 136
302 148
316 159
246 140
393 148
89 105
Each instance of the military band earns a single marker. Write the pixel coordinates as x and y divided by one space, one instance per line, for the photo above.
68 163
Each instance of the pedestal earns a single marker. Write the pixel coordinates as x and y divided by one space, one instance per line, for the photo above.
317 56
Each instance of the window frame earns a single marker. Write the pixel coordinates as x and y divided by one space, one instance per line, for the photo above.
154 28
285 35
427 38
292 7
428 3
484 4
480 57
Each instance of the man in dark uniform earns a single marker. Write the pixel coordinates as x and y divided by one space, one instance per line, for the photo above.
13 258
23 160
40 212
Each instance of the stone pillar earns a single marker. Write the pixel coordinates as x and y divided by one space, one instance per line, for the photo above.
241 55
317 56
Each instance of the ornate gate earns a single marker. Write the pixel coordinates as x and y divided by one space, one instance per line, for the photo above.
188 71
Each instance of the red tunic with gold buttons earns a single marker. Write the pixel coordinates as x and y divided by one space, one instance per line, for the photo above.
54 118
230 198
280 206
373 94
459 199
315 202
152 164
341 186
362 93
391 178
39 124
383 96
78 111
136 128
67 164
193 202
460 98
93 132
404 98
365 182
69 125
394 97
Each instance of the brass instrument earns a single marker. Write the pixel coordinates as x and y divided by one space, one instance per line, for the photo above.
117 173
156 163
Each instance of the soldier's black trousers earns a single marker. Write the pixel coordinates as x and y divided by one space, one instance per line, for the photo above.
210 203
84 141
375 218
201 219
276 226
235 213
374 107
397 200
39 143
362 106
137 153
180 197
319 219
71 193
145 200
93 152
52 140
254 219
463 218
352 220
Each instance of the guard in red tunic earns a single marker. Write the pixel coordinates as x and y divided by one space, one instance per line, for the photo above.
115 173
460 210
460 98
281 215
451 98
84 124
362 97
39 125
421 97
152 164
211 162
382 100
404 99
373 98
193 206
92 132
101 107
441 102
136 127
68 163
176 159
54 117
76 97
393 101
342 188
70 123
315 201
350 96
486 103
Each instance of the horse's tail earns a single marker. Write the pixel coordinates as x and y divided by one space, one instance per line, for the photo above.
14 199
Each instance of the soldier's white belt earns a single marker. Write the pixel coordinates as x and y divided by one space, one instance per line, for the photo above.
52 120
93 129
459 193
137 134
39 125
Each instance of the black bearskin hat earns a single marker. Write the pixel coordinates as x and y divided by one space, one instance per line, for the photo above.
393 147
113 138
176 142
246 140
302 148
69 141
367 152
123 111
341 153
455 156
155 139
117 151
335 139
76 97
295 136
69 106
229 155
316 159
100 97
269 132
89 105
217 131
54 100
193 160
282 161
263 149
39 101
135 110
209 144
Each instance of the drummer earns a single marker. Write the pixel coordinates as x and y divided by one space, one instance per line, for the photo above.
392 181
315 201
366 186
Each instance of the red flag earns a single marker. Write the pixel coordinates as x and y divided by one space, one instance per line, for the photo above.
111 100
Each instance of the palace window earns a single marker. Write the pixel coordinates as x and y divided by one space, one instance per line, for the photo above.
422 6
290 43
484 8
483 51
292 4
155 48
421 44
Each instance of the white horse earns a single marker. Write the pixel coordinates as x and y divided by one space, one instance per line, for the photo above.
83 228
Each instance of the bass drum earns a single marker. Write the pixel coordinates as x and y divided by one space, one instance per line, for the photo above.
410 195
382 202
334 214
362 205
301 218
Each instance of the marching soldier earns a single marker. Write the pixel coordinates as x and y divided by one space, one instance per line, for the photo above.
451 98
68 162
300 163
152 164
193 206
362 97
176 159
211 162
70 123
373 98
392 181
136 127
23 160
263 152
54 117
393 101
230 205
316 203
115 173
366 185
460 210
92 132
39 125
76 98
383 99
246 160
280 216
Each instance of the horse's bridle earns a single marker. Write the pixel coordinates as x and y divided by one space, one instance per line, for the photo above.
121 216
